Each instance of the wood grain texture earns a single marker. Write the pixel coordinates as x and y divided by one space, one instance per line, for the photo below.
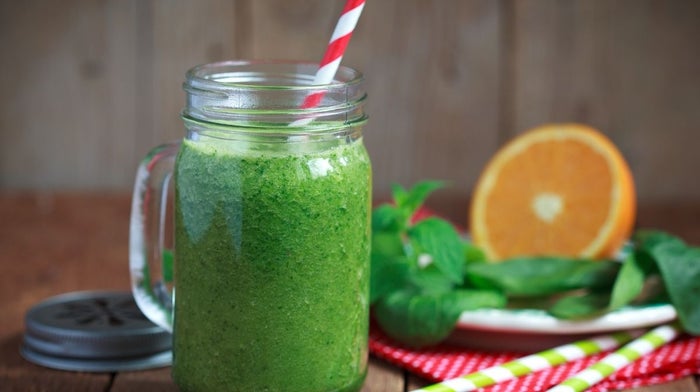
18 375
415 382
625 67
289 30
68 72
156 380
185 34
90 86
51 244
432 77
382 377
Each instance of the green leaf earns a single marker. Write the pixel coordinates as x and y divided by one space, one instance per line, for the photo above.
399 194
420 320
439 239
680 269
386 218
387 243
535 276
430 280
580 306
629 283
409 201
679 266
389 267
476 299
387 275
472 253
646 240
416 320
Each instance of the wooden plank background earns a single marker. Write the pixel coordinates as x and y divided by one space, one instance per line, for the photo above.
88 86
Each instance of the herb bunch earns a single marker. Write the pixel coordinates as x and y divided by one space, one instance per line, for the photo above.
424 275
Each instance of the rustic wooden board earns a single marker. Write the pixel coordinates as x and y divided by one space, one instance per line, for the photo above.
18 375
156 380
53 244
626 67
67 112
185 34
383 377
89 86
433 83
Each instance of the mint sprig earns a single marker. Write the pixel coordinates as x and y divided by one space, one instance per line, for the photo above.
418 270
424 275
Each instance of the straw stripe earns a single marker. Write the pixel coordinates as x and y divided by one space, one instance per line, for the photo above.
348 19
570 352
457 384
531 363
517 368
626 355
336 48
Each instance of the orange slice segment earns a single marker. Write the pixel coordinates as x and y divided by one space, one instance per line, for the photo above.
560 190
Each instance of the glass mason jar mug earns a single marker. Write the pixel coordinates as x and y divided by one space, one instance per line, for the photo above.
272 237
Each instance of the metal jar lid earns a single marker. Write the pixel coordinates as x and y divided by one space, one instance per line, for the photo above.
94 331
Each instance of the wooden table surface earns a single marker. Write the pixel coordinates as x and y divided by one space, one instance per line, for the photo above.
56 243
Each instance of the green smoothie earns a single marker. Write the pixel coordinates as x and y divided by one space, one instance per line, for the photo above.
272 266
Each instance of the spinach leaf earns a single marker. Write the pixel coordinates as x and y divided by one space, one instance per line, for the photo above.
419 302
646 240
680 270
629 283
679 266
579 306
536 276
424 319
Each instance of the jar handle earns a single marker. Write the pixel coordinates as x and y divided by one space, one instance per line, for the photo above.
150 265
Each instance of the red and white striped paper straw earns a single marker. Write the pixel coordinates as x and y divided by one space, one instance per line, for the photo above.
336 48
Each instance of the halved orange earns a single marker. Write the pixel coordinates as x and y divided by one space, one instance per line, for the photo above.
558 190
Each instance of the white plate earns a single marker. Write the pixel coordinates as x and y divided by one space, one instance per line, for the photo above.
530 329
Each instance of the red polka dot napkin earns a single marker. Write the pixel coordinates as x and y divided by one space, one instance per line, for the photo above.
438 363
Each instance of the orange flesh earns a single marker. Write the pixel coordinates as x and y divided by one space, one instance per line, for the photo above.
557 190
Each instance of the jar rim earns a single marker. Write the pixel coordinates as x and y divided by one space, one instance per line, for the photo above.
272 94
219 75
